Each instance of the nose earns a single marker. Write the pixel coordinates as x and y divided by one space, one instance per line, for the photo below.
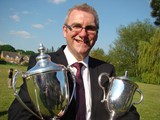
83 32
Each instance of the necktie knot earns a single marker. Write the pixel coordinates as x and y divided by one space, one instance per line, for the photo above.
77 65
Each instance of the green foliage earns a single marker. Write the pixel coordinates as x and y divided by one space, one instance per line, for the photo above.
25 64
2 61
50 50
99 54
12 49
30 53
20 50
155 5
149 59
150 78
124 54
7 48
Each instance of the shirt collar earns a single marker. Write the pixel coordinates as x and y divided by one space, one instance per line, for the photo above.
71 59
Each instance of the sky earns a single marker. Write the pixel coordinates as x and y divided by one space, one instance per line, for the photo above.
24 24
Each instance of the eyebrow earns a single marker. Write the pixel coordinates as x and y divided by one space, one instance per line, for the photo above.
69 27
81 25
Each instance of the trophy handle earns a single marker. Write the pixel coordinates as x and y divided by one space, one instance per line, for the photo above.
141 98
103 88
18 98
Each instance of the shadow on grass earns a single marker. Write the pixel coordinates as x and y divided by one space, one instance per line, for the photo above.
3 113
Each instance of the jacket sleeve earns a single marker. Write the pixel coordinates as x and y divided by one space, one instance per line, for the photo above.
131 115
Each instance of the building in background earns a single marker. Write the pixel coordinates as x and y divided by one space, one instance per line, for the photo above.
14 57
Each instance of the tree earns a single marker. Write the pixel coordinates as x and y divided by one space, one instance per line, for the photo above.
99 54
52 49
7 48
149 59
124 54
21 51
30 52
155 5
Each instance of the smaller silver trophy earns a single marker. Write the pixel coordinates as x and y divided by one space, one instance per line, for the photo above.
48 87
119 98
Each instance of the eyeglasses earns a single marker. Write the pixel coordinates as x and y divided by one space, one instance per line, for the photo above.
78 28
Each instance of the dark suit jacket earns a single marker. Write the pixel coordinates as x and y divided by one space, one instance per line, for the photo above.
17 112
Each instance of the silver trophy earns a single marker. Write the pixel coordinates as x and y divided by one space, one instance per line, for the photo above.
48 87
118 97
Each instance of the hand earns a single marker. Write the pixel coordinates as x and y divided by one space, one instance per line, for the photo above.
60 114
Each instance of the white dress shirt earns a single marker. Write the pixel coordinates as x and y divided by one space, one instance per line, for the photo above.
86 79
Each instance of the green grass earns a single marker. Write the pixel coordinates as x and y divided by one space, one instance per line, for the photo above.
6 94
149 109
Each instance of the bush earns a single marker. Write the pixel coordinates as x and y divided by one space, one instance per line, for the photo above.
2 61
136 79
24 64
150 78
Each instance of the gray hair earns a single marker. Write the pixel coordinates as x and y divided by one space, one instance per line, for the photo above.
84 7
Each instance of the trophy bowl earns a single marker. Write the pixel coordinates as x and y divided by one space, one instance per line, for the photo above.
119 98
48 87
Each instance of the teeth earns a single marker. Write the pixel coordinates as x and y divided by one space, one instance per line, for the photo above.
78 40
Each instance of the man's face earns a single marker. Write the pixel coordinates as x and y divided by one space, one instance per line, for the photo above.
80 42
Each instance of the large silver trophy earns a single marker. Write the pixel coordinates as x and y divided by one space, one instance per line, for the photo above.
118 97
48 87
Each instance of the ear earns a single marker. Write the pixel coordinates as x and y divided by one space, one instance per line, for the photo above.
64 31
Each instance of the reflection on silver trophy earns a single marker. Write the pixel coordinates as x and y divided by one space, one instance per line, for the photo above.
48 87
119 97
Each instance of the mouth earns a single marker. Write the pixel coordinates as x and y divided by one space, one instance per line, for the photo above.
82 41
78 40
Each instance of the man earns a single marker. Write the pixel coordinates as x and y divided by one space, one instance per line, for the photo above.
81 32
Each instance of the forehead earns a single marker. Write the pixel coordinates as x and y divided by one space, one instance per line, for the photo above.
78 16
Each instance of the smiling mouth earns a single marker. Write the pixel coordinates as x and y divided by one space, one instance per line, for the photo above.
78 40
82 41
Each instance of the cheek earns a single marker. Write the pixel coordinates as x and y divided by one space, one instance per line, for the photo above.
93 40
64 35
93 37
92 43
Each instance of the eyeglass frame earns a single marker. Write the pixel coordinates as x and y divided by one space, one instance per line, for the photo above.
80 28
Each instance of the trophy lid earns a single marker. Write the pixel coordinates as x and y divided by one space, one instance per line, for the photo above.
44 63
124 77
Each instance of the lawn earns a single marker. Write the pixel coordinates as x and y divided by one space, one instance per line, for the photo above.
6 94
149 109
